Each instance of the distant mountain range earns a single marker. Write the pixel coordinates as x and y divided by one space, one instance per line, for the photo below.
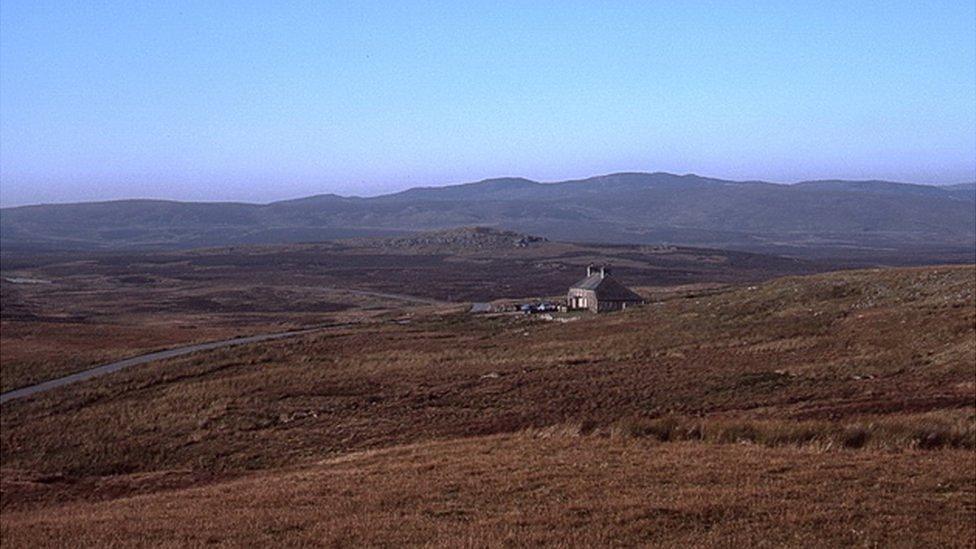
809 218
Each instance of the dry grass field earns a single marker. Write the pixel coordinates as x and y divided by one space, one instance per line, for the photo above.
549 487
817 410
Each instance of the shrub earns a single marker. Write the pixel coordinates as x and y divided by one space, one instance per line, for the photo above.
855 436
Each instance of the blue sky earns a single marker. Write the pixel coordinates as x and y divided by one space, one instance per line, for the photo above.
260 101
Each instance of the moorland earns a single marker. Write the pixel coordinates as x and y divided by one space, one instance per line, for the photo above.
755 400
65 311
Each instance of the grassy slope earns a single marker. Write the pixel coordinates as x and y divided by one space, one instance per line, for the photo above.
825 347
866 346
549 488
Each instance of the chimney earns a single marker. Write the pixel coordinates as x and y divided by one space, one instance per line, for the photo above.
589 270
603 271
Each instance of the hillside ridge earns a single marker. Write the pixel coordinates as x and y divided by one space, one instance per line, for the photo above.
848 217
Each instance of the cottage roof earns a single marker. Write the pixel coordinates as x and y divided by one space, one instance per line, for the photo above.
607 288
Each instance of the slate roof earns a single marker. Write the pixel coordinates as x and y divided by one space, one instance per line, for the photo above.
606 288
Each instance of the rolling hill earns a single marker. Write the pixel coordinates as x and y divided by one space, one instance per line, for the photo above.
793 412
854 218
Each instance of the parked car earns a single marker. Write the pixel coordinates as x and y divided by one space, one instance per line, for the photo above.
541 307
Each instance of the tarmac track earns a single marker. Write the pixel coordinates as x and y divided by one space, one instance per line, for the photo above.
180 351
146 358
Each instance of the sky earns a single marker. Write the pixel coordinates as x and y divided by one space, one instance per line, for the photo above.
259 101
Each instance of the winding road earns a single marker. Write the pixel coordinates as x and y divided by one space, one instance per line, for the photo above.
149 357
180 351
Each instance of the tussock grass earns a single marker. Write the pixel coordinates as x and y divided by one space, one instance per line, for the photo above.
794 413
932 431
564 490
788 363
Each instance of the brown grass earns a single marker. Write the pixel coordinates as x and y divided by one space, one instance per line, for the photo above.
529 489
804 370
386 383
930 431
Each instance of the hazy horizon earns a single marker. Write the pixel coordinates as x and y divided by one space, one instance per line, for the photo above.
447 184
224 102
